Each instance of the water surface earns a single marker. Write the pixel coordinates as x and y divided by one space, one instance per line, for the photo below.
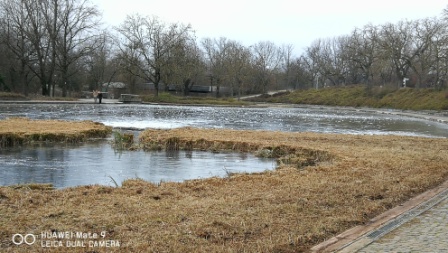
66 165
324 120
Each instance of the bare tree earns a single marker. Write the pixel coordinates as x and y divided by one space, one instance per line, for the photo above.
187 64
363 51
329 60
216 50
13 24
152 41
267 58
77 23
287 65
102 63
238 67
396 42
438 73
42 34
424 45
311 61
303 73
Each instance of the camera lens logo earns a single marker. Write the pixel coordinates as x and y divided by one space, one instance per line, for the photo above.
19 239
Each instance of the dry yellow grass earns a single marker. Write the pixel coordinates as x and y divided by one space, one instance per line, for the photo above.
22 130
353 178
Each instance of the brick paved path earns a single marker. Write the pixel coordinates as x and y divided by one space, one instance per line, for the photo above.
427 232
418 225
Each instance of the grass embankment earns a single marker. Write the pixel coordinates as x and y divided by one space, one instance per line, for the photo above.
12 96
172 99
352 179
358 96
16 131
47 98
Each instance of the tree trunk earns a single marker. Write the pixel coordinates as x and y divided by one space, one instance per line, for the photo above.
186 88
218 83
43 84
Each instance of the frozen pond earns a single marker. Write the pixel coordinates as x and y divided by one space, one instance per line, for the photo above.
66 165
325 120
97 163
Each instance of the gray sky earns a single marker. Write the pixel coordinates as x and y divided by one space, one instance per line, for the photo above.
281 21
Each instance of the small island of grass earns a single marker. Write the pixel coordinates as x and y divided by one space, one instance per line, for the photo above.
15 131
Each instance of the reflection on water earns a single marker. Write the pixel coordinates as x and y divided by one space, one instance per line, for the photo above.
97 163
326 120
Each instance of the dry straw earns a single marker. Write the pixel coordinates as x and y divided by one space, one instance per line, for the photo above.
16 131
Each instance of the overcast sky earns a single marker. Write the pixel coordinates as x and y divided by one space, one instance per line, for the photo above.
298 23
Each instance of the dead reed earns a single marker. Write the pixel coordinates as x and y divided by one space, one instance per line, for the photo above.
342 181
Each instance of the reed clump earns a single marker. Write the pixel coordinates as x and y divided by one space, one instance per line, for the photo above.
343 181
123 140
18 131
285 154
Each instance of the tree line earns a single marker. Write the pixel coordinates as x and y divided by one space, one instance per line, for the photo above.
60 45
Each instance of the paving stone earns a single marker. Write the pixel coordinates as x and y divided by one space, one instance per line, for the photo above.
426 232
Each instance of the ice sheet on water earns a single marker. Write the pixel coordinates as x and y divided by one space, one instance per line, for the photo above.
306 119
144 124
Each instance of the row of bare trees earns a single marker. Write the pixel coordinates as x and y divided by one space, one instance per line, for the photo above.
162 53
48 45
409 52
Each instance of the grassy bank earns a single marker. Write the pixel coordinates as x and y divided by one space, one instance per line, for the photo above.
12 96
348 180
358 96
17 131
